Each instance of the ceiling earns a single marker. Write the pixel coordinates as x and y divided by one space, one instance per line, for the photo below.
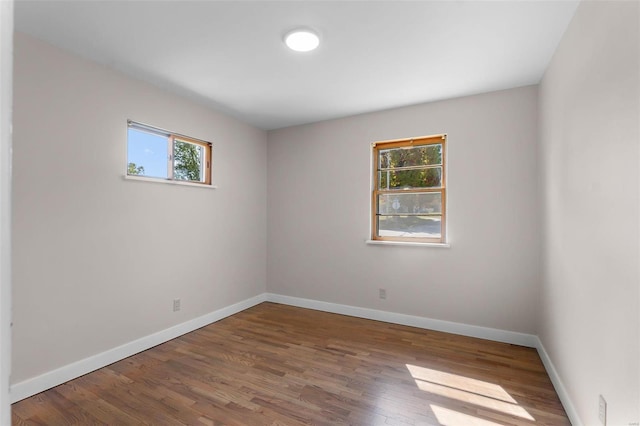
373 55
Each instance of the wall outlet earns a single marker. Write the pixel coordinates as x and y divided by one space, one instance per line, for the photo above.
176 305
382 293
602 413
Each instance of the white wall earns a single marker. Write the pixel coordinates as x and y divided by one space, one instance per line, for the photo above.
6 71
318 214
97 259
589 112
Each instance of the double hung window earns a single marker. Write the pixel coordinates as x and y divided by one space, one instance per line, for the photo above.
409 192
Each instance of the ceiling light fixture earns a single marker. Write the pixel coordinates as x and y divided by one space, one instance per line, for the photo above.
302 40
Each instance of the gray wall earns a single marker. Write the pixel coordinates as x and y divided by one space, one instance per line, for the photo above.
589 161
97 259
319 200
6 100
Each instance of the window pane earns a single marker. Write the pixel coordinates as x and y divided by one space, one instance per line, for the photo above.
188 161
408 157
147 154
406 179
410 226
420 203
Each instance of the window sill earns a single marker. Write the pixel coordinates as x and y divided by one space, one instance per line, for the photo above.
407 243
170 182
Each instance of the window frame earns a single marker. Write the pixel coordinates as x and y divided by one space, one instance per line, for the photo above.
440 139
172 137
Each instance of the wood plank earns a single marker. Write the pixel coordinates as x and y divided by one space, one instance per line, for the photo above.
280 365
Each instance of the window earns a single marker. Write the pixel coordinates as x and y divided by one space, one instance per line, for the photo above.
409 190
156 153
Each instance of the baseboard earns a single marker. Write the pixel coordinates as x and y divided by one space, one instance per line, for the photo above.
571 411
497 335
61 375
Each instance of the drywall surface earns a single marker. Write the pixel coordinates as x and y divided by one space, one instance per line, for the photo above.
319 214
98 259
589 112
6 82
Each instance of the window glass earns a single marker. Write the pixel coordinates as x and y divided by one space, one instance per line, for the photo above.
147 154
410 226
187 163
407 179
410 203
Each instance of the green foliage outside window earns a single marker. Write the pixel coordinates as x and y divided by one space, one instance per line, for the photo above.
405 168
134 169
188 161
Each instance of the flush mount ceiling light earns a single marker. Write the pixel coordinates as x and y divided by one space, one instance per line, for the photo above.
302 40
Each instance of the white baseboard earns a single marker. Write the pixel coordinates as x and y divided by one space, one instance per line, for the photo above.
61 375
497 335
571 411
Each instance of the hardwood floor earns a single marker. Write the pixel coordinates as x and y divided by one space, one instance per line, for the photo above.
279 365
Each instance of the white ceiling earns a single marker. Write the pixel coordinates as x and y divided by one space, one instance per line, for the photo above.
373 55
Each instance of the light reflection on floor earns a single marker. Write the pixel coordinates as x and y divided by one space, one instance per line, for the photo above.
479 393
447 417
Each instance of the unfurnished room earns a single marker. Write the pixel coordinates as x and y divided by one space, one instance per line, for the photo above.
320 212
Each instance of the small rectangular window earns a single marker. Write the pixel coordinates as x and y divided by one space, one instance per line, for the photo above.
408 201
157 153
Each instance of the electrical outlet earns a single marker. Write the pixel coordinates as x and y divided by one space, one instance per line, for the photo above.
382 293
176 305
602 413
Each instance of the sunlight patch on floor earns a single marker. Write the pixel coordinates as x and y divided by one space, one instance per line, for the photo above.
467 384
467 390
447 417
